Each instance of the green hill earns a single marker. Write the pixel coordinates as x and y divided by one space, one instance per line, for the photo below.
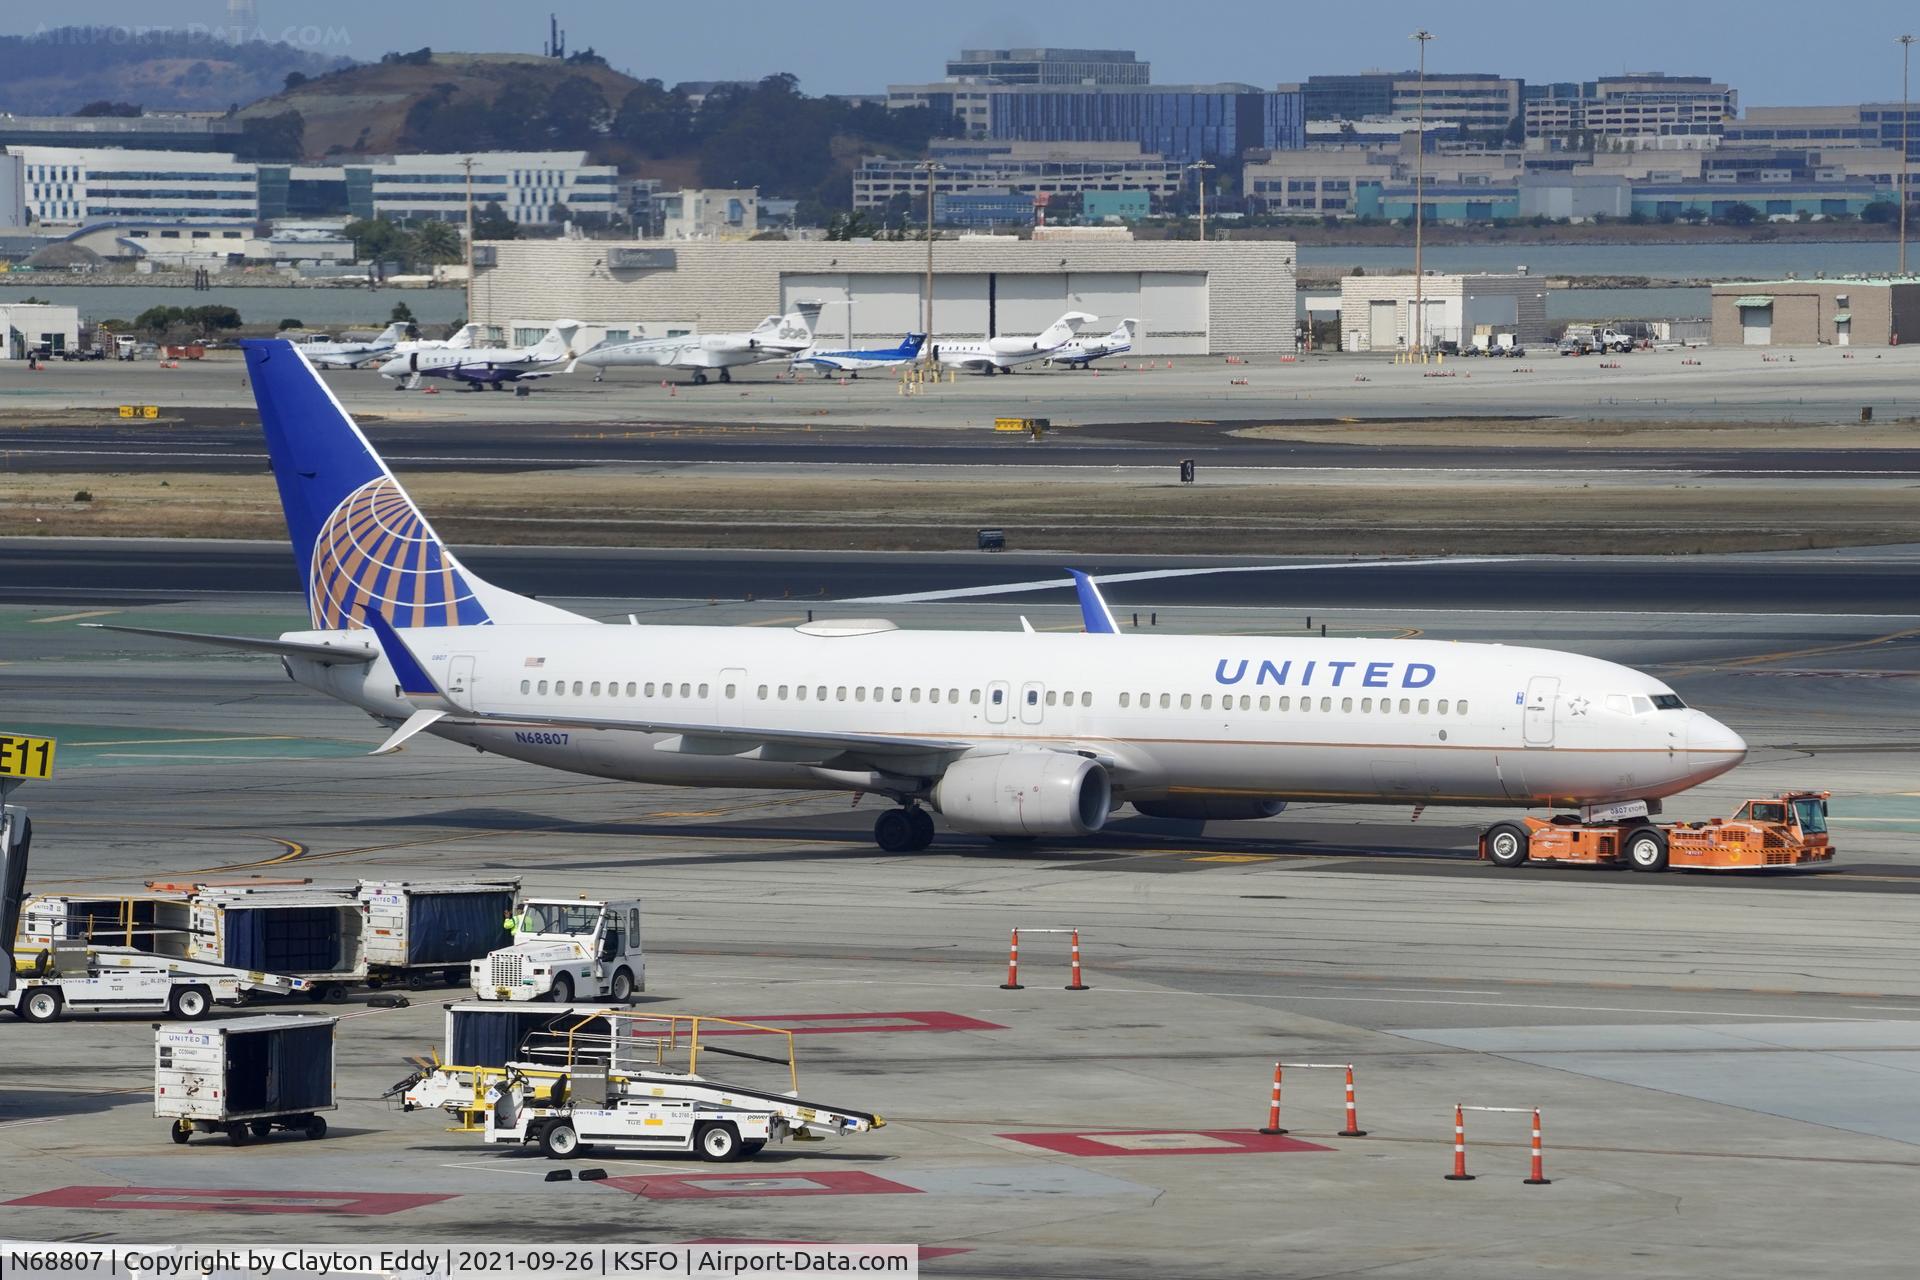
56 72
768 134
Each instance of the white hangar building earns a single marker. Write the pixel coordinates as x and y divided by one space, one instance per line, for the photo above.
1190 297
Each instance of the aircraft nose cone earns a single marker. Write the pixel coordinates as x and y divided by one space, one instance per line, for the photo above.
1712 743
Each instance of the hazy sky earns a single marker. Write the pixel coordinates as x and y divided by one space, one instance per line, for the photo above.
1775 52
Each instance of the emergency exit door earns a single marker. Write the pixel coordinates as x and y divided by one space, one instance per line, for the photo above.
460 675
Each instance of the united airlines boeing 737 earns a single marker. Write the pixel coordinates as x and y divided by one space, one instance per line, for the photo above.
1007 735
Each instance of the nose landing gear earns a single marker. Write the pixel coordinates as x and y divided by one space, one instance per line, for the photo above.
906 830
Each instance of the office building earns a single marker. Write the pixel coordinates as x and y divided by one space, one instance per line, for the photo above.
1644 105
982 210
1048 66
1355 97
717 214
75 187
1471 100
1032 168
183 131
70 186
1475 102
1181 122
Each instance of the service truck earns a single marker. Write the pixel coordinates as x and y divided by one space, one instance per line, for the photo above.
565 948
77 978
1777 832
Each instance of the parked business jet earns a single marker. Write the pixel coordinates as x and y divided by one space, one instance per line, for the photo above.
1004 353
853 363
351 355
460 340
1007 735
1081 352
486 366
775 338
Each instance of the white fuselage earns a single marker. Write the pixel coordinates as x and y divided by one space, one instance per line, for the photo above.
1385 721
472 361
996 353
696 351
1083 351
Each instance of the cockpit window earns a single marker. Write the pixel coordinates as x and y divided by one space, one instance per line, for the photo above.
1668 702
1812 815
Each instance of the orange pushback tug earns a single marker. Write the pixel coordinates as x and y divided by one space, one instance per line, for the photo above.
1787 830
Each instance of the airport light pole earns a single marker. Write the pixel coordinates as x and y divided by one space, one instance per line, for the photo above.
1906 58
927 319
1419 198
467 164
1203 168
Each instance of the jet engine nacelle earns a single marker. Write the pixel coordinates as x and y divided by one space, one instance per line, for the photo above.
1210 808
1012 346
1025 793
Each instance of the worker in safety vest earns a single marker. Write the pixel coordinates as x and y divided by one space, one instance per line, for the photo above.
517 921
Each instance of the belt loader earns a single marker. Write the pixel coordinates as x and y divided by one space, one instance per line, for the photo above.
607 1078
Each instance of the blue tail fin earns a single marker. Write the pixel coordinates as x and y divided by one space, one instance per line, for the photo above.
910 345
359 543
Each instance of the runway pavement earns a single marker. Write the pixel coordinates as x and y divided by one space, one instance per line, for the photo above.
1880 581
1823 386
1703 1049
225 441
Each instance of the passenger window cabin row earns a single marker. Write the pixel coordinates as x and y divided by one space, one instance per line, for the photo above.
1306 704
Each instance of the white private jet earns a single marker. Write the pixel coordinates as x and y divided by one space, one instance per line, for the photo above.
1001 354
1008 735
460 340
351 355
486 366
775 338
1081 352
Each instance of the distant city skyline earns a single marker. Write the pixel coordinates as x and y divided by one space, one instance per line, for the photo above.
1774 52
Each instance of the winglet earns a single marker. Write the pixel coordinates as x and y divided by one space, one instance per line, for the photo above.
415 683
1095 617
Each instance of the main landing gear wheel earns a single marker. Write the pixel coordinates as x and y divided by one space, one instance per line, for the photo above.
726 375
903 830
922 828
1647 849
699 379
1507 844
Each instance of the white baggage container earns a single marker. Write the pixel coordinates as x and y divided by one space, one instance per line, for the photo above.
418 930
246 1077
312 932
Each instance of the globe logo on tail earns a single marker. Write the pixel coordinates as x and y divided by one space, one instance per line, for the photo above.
376 551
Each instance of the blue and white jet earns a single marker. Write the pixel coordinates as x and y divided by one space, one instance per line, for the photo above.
853 362
1078 353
